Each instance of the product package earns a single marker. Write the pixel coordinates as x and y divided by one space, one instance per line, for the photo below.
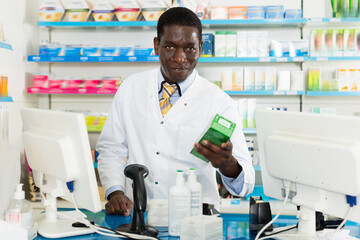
270 79
293 13
276 49
274 12
219 132
127 10
259 79
190 4
243 104
208 45
152 9
249 78
77 11
353 80
219 12
227 79
238 79
251 108
315 43
297 80
262 44
91 50
50 11
220 43
230 44
251 43
241 46
349 42
283 83
255 12
314 79
338 42
102 11
357 42
40 80
203 9
301 48
238 12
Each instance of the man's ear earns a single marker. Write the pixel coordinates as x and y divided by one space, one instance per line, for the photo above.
156 45
200 48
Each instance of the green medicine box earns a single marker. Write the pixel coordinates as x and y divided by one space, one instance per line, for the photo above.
219 132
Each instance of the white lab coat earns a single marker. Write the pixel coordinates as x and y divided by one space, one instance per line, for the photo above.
136 130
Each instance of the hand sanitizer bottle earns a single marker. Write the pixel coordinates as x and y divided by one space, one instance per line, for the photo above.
195 193
19 211
179 204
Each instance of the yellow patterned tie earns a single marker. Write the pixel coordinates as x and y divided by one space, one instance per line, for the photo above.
164 101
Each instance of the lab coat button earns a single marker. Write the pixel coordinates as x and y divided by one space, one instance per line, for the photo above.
162 122
157 153
185 104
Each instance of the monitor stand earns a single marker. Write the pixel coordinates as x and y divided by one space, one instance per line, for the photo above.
50 226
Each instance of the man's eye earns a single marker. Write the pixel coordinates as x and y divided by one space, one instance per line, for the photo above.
169 47
191 48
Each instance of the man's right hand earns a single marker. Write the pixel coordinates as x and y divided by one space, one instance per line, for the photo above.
119 204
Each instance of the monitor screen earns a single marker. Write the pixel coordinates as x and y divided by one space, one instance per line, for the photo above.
58 151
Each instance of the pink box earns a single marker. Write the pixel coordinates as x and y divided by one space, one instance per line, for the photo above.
57 83
110 83
40 81
93 83
75 83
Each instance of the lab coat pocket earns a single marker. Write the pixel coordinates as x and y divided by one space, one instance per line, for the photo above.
188 136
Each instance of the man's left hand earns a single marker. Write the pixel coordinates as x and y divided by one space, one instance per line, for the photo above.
220 157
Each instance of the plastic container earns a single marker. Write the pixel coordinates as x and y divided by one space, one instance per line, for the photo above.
179 204
195 193
126 14
20 213
103 11
152 14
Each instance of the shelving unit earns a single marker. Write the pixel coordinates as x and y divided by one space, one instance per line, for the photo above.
265 93
6 99
82 91
6 46
332 93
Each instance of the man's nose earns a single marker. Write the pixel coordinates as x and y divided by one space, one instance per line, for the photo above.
179 56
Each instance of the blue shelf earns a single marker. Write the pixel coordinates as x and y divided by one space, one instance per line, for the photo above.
333 20
38 58
5 46
249 130
333 93
269 93
6 99
325 59
252 59
284 21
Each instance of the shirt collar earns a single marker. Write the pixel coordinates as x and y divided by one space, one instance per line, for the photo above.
184 85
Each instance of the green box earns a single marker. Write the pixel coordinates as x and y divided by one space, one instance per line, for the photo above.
219 132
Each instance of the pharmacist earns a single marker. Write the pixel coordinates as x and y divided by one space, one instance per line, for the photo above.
145 127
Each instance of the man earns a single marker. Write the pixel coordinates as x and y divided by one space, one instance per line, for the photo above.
147 127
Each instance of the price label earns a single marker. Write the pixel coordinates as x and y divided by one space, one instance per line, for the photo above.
283 59
293 92
298 59
335 19
265 59
84 59
132 59
316 20
322 59
279 92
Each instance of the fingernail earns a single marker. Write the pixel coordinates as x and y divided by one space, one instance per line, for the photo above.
205 142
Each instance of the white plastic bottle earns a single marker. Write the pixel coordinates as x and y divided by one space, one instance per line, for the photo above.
195 193
179 204
19 211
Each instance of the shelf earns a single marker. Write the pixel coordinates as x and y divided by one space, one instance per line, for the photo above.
333 93
333 20
325 59
6 99
5 46
260 22
269 93
72 91
38 58
249 130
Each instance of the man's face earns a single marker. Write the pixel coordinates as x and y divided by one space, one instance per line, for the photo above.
179 50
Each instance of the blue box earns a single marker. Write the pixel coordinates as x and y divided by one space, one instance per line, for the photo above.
109 51
293 13
125 51
255 12
50 50
143 51
274 12
208 45
91 51
71 50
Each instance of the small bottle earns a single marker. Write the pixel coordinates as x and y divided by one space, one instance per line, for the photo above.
195 193
19 211
179 204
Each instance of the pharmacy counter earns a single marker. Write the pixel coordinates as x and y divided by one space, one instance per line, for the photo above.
235 226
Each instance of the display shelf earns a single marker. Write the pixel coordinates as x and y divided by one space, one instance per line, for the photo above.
269 93
342 58
72 91
6 99
6 46
333 20
333 93
249 130
38 58
227 22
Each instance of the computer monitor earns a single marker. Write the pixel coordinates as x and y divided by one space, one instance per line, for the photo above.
318 154
58 151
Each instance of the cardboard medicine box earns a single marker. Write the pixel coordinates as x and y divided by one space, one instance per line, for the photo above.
219 132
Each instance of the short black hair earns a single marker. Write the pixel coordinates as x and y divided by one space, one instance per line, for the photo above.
180 16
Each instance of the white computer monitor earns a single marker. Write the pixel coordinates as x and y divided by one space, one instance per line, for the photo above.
318 154
58 151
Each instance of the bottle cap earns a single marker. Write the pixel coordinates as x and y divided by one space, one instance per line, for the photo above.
19 193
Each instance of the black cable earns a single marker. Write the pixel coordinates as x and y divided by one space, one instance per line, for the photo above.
281 231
